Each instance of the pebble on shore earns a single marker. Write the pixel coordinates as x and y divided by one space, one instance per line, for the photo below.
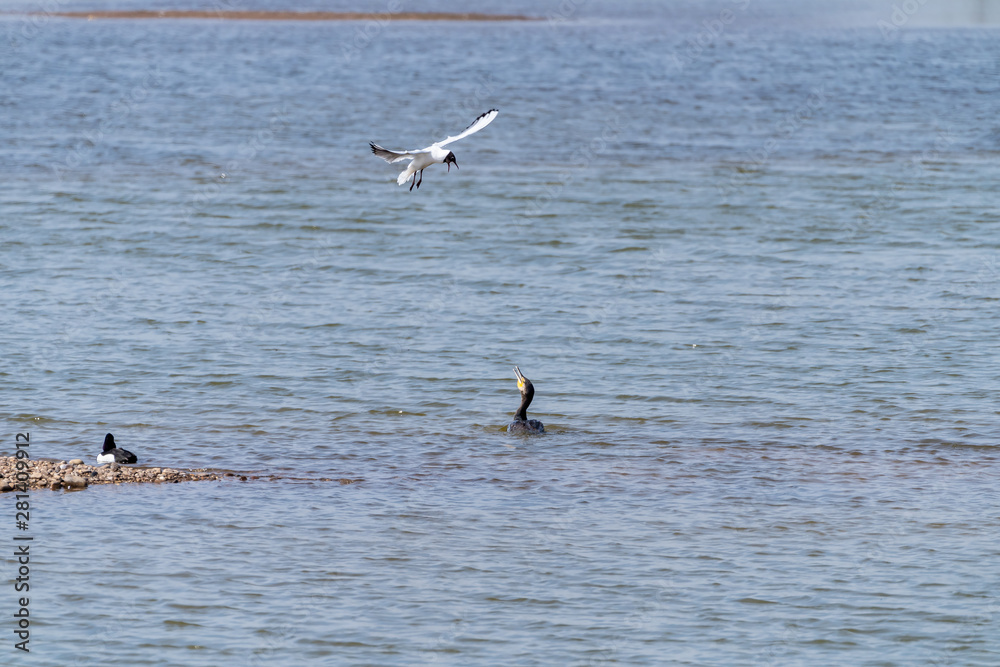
75 474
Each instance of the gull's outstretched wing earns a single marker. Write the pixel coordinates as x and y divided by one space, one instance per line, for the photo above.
478 124
393 156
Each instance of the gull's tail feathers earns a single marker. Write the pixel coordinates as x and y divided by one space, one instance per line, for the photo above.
405 175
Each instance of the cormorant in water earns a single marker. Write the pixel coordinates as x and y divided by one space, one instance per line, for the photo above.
521 423
112 454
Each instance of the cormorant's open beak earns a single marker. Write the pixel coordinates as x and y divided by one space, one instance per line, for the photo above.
520 378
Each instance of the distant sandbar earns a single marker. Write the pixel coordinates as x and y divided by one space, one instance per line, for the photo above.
293 16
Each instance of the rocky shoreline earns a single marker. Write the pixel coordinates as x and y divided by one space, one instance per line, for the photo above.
75 474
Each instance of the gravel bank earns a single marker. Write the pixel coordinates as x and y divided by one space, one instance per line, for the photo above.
75 474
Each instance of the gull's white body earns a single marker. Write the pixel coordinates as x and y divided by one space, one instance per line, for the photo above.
421 160
433 154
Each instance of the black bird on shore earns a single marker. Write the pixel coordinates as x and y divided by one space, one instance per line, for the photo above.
521 423
112 454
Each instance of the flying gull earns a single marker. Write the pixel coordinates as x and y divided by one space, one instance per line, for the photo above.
433 154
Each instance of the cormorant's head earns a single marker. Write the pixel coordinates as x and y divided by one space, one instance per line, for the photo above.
109 442
449 160
523 383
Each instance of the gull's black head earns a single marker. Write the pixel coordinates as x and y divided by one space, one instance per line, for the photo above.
109 442
449 160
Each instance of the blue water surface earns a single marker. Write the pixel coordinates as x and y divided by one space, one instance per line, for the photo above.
747 253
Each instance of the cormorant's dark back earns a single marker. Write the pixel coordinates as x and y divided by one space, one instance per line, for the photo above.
521 423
